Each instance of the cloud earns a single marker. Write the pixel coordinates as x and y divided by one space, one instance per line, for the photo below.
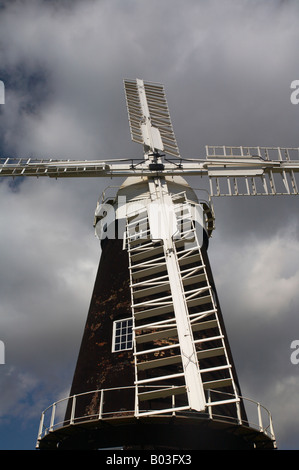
267 276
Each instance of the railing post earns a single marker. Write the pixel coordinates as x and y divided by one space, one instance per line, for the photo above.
101 404
52 417
40 430
209 405
260 417
73 410
271 427
173 402
239 415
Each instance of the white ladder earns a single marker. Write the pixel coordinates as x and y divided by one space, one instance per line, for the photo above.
167 377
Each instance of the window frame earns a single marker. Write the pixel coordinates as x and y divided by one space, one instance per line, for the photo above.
127 342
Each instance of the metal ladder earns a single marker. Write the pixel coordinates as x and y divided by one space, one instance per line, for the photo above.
160 365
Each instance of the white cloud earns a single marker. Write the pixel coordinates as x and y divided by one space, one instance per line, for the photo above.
264 273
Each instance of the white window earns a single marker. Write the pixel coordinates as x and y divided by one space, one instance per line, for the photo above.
122 335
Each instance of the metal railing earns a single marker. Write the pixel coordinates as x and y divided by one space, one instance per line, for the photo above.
64 412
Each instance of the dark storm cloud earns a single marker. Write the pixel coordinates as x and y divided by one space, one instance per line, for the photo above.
227 67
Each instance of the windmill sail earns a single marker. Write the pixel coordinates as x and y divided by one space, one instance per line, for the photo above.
252 171
149 117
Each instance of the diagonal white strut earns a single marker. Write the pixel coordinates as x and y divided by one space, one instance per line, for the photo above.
163 230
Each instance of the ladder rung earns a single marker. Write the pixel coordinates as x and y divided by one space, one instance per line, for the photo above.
145 272
185 222
160 310
139 243
189 251
151 290
189 259
152 281
152 326
191 294
217 383
143 228
155 350
185 225
147 254
161 393
200 315
181 207
183 240
193 279
164 361
144 338
205 325
214 369
194 269
179 197
149 263
137 217
210 353
153 312
199 301
152 303
142 236
211 338
157 379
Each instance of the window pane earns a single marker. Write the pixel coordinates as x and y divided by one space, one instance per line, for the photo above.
123 335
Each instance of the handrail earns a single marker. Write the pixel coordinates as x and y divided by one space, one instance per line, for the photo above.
51 418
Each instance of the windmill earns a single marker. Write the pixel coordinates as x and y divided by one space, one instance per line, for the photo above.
155 369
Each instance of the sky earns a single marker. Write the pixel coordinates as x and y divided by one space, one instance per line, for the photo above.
227 67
